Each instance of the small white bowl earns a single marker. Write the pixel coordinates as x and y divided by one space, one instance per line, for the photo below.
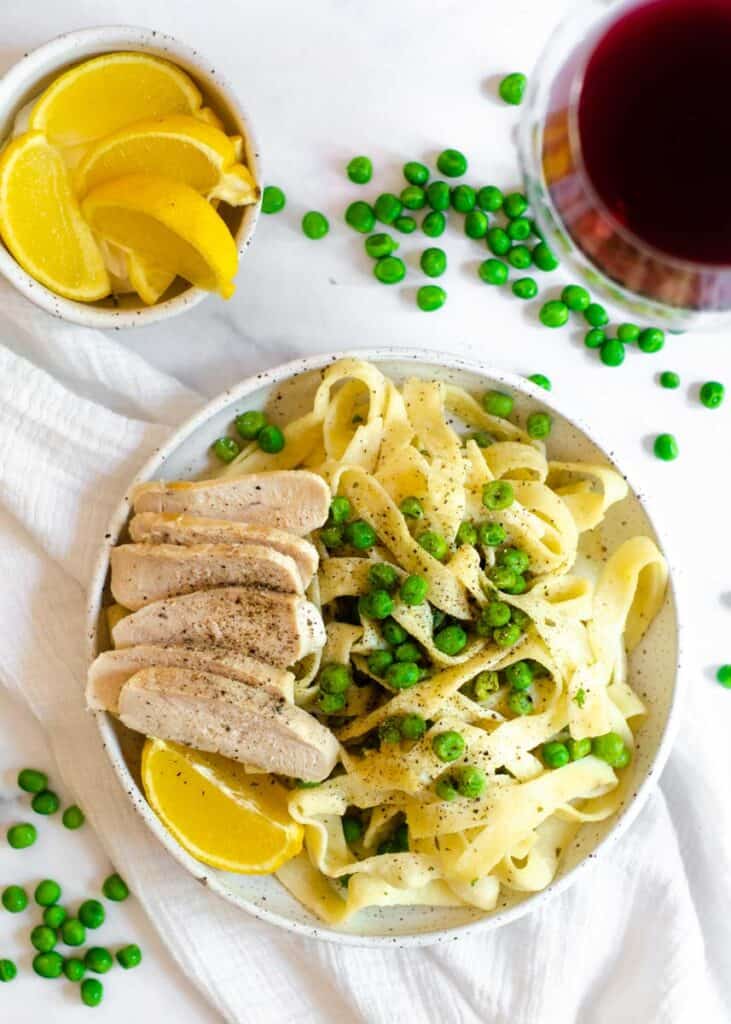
653 666
26 79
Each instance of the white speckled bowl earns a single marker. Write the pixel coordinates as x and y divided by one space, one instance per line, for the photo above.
35 71
287 392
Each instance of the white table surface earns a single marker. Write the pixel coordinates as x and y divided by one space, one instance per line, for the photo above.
324 81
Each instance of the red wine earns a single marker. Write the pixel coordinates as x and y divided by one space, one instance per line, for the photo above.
653 124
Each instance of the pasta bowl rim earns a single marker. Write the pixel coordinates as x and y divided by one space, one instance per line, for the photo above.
209 877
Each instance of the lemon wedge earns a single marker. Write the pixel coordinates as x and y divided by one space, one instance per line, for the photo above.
169 224
148 280
41 223
180 147
108 92
218 813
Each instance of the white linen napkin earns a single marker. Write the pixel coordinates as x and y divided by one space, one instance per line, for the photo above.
642 938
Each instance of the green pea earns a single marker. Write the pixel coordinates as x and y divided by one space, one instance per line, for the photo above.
512 88
226 449
518 586
497 403
463 198
411 508
651 339
595 338
467 533
482 439
43 938
21 836
519 257
91 912
470 781
414 590
438 195
361 217
520 703
610 748
379 661
383 575
723 676
8 970
493 271
506 636
331 703
412 727
14 899
554 313
47 893
250 424
503 577
541 381
525 288
498 494
413 197
438 617
498 241
271 439
475 224
448 746
579 748
48 965
74 968
666 447
596 315
332 678
376 605
273 199
612 352
452 163
352 832
416 173
380 245
54 916
519 229
628 333
433 262
434 224
340 509
408 651
491 534
389 731
402 675
576 297
489 198
32 781
360 534
387 208
515 559
406 225
393 633
514 205
360 170
711 394
445 790
451 640
430 297
539 425
434 544
555 754
484 684
519 675
115 888
496 613
315 225
389 270
92 992
73 932
669 379
544 257
303 784
332 536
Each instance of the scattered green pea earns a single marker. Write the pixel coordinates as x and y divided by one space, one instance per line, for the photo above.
438 195
402 675
411 508
408 651
711 394
448 746
332 536
332 678
651 339
494 614
493 271
519 229
8 970
21 836
48 965
379 661
498 241
475 224
331 703
463 198
512 88
250 424
503 577
612 352
434 544
54 916
74 968
595 338
406 225
539 425
376 605
445 790
387 208
666 447
32 781
489 198
497 403
492 535
47 893
514 205
271 439
723 676
544 257
467 533
14 899
519 257
469 781
525 288
115 888
340 509
610 748
360 534
380 245
92 992
451 640
579 748
576 297
482 439
433 262
226 449
413 197
434 224
484 685
498 494
554 313
596 315
361 217
541 381
628 333
360 170
430 297
452 163
43 938
414 590
273 199
73 932
669 379
389 270
98 959
506 636
555 754
315 224
92 914
416 173
520 703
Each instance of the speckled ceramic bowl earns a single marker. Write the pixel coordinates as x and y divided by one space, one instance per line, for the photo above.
26 79
653 669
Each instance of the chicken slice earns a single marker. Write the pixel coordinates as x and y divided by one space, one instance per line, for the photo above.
143 573
111 669
178 528
276 628
224 716
294 500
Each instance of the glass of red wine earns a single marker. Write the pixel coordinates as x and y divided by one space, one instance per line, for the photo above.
626 154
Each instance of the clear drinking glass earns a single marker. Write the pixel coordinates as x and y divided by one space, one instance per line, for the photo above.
647 281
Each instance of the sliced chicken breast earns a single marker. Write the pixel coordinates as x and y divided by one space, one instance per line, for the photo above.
143 573
111 669
276 628
294 500
178 528
223 716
